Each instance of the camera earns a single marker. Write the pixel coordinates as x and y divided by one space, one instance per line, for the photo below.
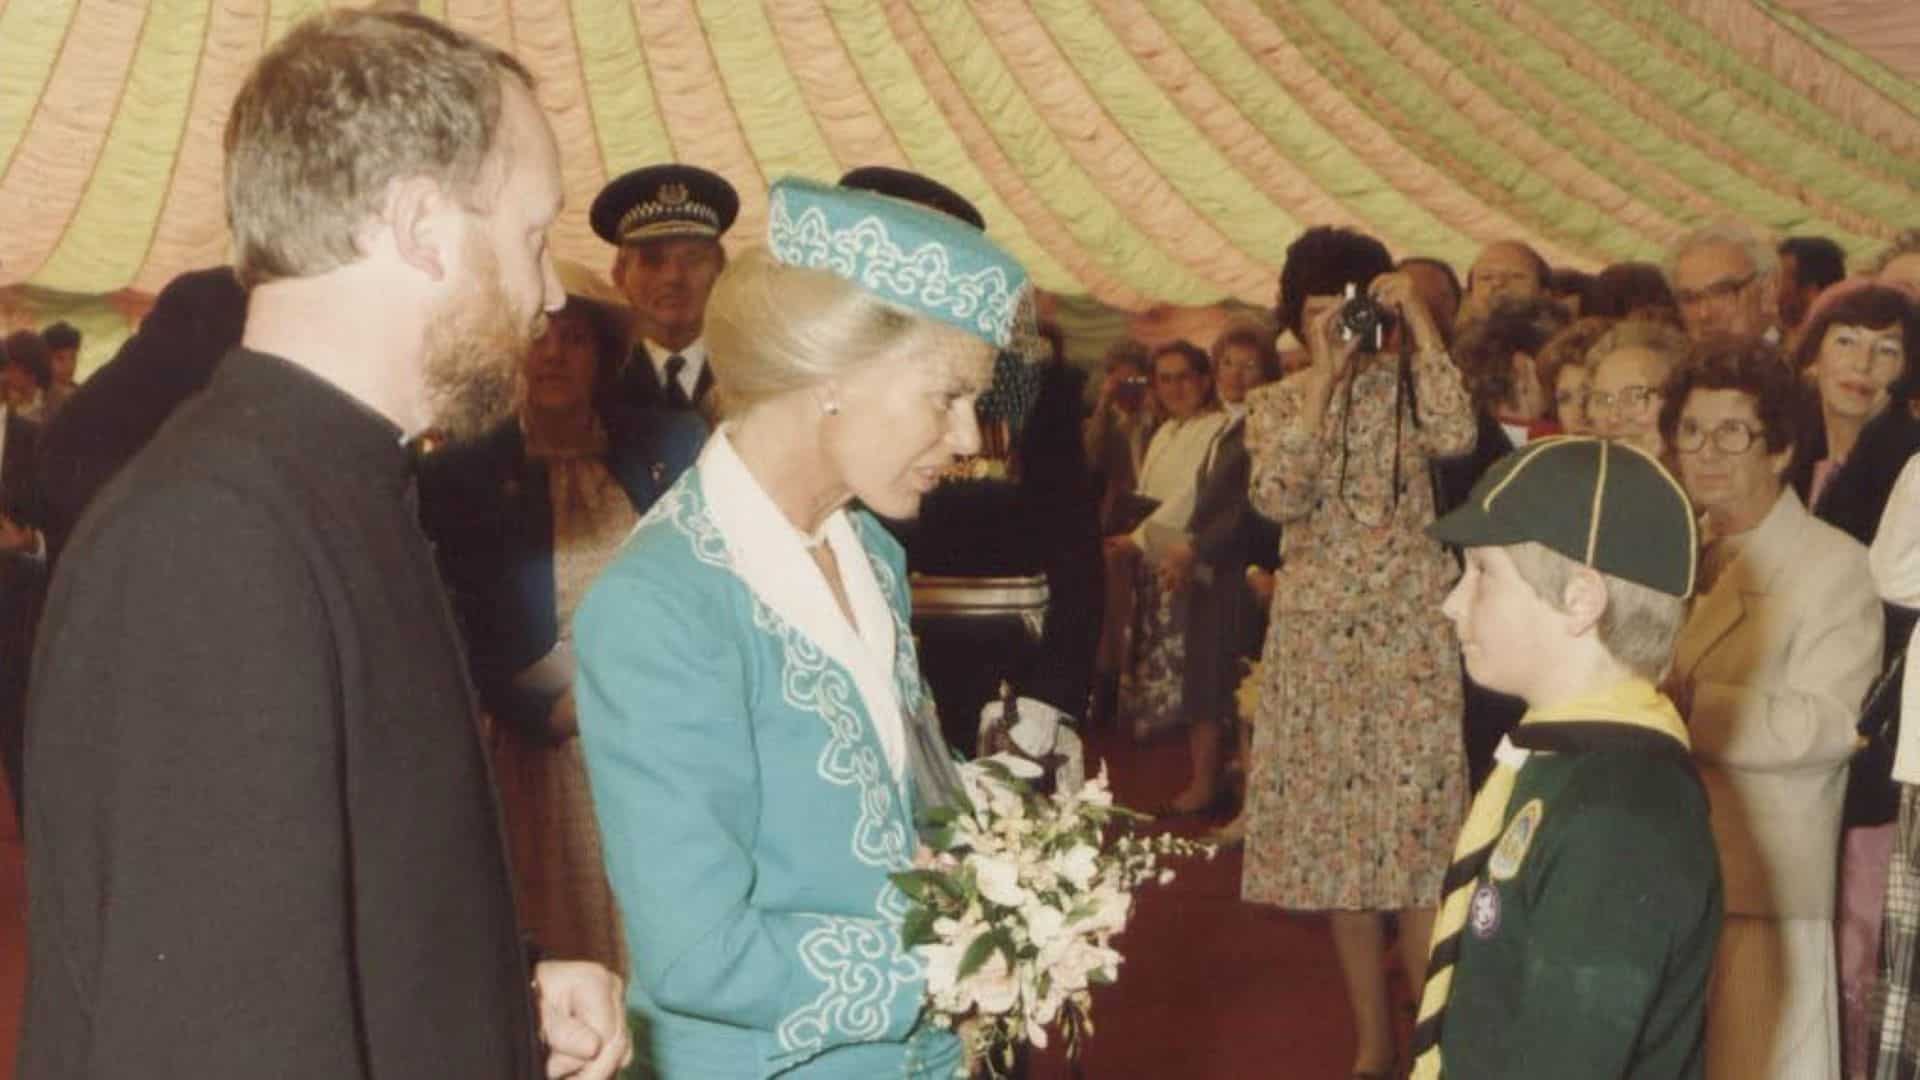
1130 392
1362 318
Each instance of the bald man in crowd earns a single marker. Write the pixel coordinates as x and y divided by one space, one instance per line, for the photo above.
1504 270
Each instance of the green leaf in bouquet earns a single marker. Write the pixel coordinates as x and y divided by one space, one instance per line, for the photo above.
939 816
922 885
1016 784
976 956
1003 940
1075 1025
1099 977
917 928
954 892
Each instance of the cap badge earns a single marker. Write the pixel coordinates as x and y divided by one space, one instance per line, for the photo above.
672 194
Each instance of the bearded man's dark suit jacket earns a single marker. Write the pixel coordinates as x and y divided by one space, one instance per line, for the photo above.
1224 619
488 509
22 585
263 839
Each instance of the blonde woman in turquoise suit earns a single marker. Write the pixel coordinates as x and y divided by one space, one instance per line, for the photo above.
757 733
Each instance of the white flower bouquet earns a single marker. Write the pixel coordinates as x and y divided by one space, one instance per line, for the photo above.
1018 899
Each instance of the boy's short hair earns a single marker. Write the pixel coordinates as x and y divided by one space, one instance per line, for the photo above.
1639 624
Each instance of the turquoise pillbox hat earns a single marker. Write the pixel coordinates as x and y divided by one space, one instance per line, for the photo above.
915 258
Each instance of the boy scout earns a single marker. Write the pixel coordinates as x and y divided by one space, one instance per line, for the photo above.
1580 914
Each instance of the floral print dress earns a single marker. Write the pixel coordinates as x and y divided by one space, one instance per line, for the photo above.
1357 786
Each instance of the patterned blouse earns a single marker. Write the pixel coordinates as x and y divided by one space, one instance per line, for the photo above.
1353 539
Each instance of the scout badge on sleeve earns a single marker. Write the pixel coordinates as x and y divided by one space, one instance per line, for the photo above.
1483 911
1513 845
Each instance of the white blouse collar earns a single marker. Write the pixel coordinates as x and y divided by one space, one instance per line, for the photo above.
771 555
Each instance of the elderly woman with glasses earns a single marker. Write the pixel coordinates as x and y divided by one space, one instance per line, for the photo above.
1629 365
1769 670
759 737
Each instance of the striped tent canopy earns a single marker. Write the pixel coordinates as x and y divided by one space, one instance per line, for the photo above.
1138 152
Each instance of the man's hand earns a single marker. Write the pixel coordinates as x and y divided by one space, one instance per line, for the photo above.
16 539
1261 582
583 1020
1176 566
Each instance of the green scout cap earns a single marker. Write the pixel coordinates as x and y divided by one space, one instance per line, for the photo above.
1605 504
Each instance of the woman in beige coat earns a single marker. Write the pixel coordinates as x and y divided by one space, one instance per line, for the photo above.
1769 671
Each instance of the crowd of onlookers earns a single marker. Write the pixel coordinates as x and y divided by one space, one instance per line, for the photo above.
1262 504
1779 390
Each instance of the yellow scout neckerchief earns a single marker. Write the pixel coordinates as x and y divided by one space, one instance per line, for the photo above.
1627 714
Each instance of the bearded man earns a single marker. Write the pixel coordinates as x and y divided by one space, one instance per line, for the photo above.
262 838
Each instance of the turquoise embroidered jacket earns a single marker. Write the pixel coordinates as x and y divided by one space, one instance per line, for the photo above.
748 816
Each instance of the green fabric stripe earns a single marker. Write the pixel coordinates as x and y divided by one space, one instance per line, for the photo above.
1023 135
1805 117
1722 112
1418 115
1403 223
30 42
1446 41
114 222
1206 179
929 142
1743 196
1899 90
766 100
618 88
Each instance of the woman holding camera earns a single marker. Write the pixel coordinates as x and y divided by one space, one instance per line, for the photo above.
1358 783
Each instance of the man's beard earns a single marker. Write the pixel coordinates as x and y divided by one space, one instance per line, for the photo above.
475 355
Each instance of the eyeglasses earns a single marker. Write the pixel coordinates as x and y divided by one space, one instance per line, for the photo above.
1729 437
1567 399
1630 398
1719 292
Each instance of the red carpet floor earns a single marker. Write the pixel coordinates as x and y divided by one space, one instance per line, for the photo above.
1211 987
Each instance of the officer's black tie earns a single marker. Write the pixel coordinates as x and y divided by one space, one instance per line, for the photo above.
677 394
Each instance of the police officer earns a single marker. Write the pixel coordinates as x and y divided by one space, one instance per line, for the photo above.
666 221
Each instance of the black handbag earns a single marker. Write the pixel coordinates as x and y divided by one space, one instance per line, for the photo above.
1873 796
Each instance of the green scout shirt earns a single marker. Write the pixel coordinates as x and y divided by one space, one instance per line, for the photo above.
1592 927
